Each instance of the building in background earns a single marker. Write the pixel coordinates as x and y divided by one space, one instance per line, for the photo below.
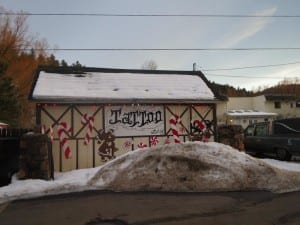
246 110
285 105
245 117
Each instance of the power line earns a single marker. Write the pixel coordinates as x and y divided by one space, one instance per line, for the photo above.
165 49
251 67
241 76
149 15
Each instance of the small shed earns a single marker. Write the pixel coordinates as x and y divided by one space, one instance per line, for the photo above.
93 115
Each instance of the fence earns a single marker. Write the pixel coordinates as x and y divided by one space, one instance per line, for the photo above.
14 133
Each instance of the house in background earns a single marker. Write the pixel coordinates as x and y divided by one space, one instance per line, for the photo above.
246 117
94 115
285 105
246 110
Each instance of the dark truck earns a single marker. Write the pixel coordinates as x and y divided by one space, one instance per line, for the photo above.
280 138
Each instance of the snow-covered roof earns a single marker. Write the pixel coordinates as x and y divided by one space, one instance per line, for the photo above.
280 97
109 85
251 113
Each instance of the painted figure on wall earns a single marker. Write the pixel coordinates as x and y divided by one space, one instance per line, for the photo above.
107 146
200 130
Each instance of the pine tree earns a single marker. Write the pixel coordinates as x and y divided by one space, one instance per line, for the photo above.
9 102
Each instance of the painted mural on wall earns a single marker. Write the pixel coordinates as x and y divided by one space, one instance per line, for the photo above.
135 120
200 130
107 147
62 131
88 120
88 136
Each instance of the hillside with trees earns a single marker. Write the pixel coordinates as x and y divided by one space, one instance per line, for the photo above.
18 63
287 87
17 67
230 91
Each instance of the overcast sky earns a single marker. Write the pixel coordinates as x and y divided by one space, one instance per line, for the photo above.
175 32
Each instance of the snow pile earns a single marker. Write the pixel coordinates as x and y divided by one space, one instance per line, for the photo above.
283 165
68 182
191 167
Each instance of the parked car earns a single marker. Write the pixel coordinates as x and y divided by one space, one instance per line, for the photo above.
280 138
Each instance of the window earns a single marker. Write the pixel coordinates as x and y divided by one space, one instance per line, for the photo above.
261 130
277 105
249 131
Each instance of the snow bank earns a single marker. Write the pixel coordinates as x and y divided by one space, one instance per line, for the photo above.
283 164
191 166
73 181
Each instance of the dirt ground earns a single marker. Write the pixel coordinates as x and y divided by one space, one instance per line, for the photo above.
152 208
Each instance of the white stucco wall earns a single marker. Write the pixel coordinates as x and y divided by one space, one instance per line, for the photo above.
286 110
259 103
221 112
239 103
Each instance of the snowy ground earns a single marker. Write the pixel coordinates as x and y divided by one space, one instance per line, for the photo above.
191 166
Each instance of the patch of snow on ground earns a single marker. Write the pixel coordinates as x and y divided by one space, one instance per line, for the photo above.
291 166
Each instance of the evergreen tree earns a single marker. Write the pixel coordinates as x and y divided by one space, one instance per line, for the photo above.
63 63
77 65
9 102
